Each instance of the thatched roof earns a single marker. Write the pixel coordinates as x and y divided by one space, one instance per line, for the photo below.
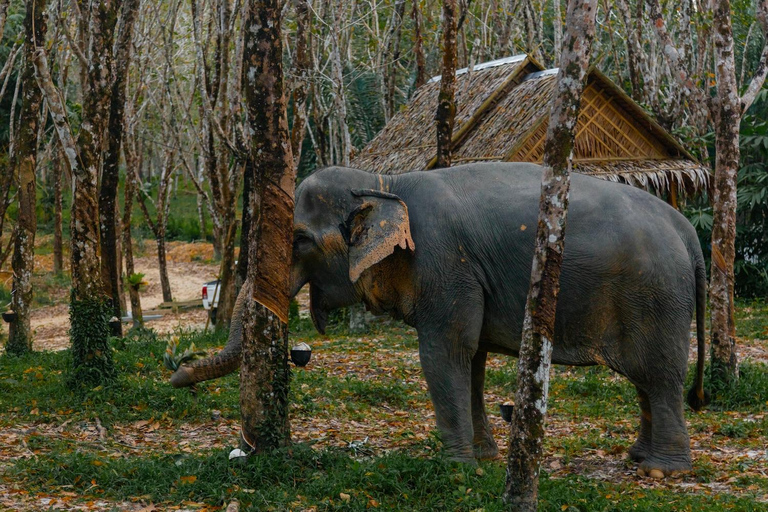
502 115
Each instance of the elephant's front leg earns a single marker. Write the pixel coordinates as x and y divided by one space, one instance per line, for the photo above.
446 356
484 444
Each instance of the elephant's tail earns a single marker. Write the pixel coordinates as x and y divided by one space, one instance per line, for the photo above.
697 396
223 363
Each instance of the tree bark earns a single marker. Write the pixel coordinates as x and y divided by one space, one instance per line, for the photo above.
58 193
339 96
418 45
24 166
3 15
446 107
301 78
241 273
527 430
110 176
264 373
129 194
392 57
728 116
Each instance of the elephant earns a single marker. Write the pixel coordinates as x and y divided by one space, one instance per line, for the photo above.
450 251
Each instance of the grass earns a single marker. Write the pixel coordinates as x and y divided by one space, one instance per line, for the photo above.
751 317
372 380
298 477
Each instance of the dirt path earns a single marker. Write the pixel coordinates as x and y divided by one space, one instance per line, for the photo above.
189 267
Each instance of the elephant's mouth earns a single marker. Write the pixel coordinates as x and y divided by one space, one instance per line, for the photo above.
318 308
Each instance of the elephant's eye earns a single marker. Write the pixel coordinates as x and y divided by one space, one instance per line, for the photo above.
302 242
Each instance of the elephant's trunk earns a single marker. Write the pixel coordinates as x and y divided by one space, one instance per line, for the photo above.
227 360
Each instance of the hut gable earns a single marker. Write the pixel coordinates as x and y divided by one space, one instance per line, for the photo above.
408 141
503 113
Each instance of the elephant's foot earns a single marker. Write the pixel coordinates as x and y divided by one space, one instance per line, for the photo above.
660 467
640 451
486 449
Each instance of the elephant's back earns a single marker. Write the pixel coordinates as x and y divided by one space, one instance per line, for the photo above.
623 248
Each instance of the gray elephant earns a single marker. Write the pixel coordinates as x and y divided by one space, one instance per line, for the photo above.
450 251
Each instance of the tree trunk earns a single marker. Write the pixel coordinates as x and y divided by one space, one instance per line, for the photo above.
89 308
162 261
110 176
241 273
301 71
446 107
58 237
227 277
264 373
728 116
339 96
527 430
3 15
130 192
24 165
392 58
418 45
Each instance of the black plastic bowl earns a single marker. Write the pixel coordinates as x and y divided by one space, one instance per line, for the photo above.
9 316
300 357
506 412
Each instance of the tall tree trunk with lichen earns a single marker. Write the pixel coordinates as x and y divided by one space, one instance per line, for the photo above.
727 119
446 106
527 430
241 272
24 165
110 176
264 372
89 308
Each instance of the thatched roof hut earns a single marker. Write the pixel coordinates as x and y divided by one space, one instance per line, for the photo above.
502 115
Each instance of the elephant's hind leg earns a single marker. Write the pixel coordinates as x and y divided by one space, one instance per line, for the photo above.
642 447
483 444
670 447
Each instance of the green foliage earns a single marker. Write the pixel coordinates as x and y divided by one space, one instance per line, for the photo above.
751 266
92 363
173 357
135 281
748 393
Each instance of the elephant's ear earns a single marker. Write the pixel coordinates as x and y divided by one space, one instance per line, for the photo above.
374 229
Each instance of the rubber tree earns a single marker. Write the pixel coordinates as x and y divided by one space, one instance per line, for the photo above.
24 165
88 308
725 109
527 430
110 176
264 372
446 106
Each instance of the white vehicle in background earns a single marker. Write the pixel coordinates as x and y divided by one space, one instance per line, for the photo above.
211 299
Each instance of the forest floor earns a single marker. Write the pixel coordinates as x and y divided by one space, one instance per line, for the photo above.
363 430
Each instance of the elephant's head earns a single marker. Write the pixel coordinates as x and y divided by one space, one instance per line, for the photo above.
345 222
